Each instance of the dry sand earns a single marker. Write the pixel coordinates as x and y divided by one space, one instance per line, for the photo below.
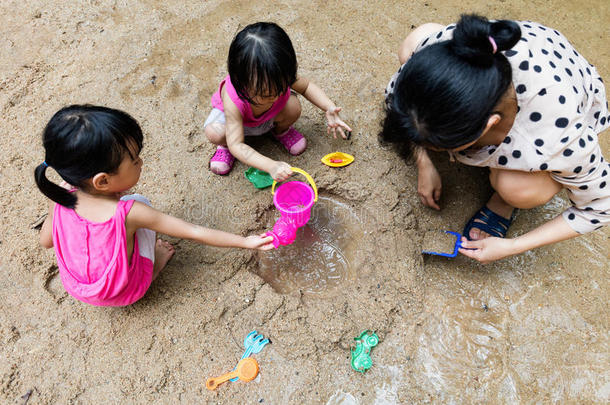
532 328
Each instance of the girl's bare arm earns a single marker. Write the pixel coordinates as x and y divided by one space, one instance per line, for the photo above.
143 216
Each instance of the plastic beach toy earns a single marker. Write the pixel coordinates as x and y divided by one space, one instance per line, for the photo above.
259 178
253 343
458 244
294 200
246 370
337 159
361 355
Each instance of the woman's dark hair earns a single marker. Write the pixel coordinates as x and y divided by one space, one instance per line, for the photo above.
446 92
261 61
81 141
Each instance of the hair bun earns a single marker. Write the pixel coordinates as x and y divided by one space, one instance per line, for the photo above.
471 38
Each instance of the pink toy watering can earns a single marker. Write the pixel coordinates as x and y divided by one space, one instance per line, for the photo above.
294 200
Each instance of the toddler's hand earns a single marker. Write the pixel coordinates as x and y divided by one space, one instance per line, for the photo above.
260 242
334 123
281 171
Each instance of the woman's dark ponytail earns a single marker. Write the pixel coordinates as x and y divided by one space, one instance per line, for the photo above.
471 39
54 192
506 33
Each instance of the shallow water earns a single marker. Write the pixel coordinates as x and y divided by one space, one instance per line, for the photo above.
323 256
519 330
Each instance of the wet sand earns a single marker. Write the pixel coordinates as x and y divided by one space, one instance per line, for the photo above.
532 328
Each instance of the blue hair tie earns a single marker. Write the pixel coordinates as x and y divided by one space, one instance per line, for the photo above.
44 162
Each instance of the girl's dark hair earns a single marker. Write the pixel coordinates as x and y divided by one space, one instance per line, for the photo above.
261 61
81 141
446 92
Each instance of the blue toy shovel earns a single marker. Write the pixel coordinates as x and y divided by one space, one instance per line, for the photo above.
253 343
458 245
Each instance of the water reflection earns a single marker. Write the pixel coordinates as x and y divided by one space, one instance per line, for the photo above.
324 254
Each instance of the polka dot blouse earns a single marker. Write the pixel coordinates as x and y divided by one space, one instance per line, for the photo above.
561 110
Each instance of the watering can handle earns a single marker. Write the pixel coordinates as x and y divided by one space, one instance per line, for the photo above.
307 176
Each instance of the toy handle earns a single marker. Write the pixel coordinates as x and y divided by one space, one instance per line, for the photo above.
307 176
214 382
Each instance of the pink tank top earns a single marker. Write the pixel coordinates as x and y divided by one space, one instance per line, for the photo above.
249 120
92 258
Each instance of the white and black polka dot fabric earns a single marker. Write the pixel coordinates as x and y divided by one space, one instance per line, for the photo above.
562 108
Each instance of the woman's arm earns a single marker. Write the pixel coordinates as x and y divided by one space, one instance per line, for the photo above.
316 96
46 231
143 216
429 185
492 248
244 153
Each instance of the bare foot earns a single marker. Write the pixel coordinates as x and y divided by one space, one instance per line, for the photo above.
163 252
497 205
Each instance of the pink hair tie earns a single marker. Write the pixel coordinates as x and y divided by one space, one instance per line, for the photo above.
493 44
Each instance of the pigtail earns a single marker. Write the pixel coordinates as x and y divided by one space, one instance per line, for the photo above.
478 41
54 192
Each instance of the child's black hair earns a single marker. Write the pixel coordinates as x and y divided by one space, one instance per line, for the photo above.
446 92
81 141
261 61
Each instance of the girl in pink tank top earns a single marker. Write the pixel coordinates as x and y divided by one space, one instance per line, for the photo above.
258 96
105 245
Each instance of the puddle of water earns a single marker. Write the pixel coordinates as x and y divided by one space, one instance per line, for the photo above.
342 398
527 329
324 254
387 393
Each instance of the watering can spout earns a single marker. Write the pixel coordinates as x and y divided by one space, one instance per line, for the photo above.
294 201
284 232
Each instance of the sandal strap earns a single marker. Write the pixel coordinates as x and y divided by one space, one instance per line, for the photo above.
289 138
223 155
492 223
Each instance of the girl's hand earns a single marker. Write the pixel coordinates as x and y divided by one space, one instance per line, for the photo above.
489 249
429 186
334 123
281 171
260 242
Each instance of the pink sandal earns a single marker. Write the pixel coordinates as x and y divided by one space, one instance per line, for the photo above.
293 141
222 161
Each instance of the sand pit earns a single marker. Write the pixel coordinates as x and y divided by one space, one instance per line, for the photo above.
438 242
526 329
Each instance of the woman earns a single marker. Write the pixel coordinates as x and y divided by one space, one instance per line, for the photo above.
517 98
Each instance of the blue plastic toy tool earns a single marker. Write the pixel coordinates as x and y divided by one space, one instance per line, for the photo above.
253 343
458 245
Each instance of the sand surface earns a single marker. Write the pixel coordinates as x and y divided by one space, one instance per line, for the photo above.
532 328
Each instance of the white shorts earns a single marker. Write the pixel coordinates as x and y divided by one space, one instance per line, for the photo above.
217 115
146 237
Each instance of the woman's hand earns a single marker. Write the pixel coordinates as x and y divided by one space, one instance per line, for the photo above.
429 185
280 171
334 123
260 242
489 249
492 248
